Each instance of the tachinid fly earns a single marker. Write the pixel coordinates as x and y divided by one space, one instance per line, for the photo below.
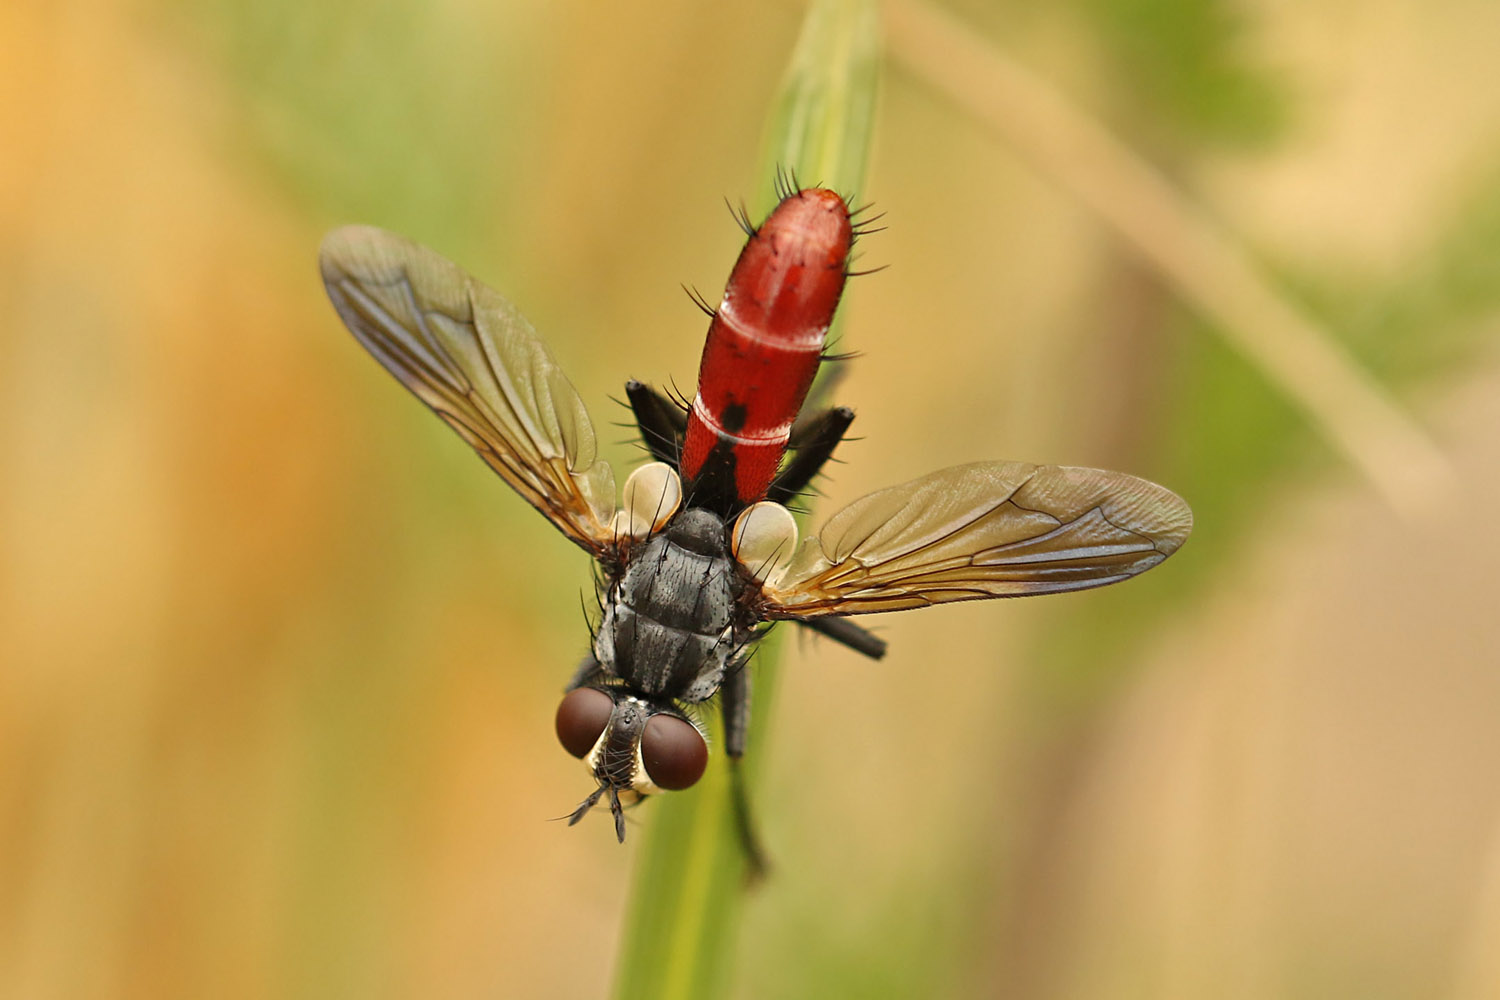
701 556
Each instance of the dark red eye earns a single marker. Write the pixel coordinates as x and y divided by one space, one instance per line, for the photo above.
581 717
674 752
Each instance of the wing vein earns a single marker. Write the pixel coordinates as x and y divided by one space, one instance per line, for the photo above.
475 361
987 530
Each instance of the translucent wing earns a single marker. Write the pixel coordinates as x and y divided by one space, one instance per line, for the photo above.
992 529
467 353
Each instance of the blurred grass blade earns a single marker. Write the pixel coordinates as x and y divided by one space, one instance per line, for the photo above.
821 124
689 886
1206 266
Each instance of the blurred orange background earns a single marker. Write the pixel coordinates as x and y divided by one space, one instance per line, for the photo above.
278 657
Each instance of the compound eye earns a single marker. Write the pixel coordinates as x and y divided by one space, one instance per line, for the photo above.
674 752
581 719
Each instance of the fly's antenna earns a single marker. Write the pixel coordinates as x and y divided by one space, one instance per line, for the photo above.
585 806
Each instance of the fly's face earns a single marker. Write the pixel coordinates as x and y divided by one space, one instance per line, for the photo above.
633 747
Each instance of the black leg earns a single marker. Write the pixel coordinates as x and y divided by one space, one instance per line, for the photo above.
815 442
814 446
846 633
734 700
756 865
662 422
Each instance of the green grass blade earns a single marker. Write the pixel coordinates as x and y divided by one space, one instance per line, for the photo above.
823 119
689 888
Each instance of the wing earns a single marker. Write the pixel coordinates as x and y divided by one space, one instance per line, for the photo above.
992 529
467 353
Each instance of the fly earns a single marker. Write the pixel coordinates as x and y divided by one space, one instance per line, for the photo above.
701 556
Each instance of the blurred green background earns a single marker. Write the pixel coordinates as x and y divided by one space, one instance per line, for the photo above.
278 656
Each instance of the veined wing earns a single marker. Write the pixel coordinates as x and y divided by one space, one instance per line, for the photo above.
992 529
470 355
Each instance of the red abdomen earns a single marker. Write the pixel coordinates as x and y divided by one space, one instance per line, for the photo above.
765 342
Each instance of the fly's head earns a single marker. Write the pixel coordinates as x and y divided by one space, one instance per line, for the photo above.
633 747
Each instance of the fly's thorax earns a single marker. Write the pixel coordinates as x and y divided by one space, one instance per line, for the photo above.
638 745
668 628
698 531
